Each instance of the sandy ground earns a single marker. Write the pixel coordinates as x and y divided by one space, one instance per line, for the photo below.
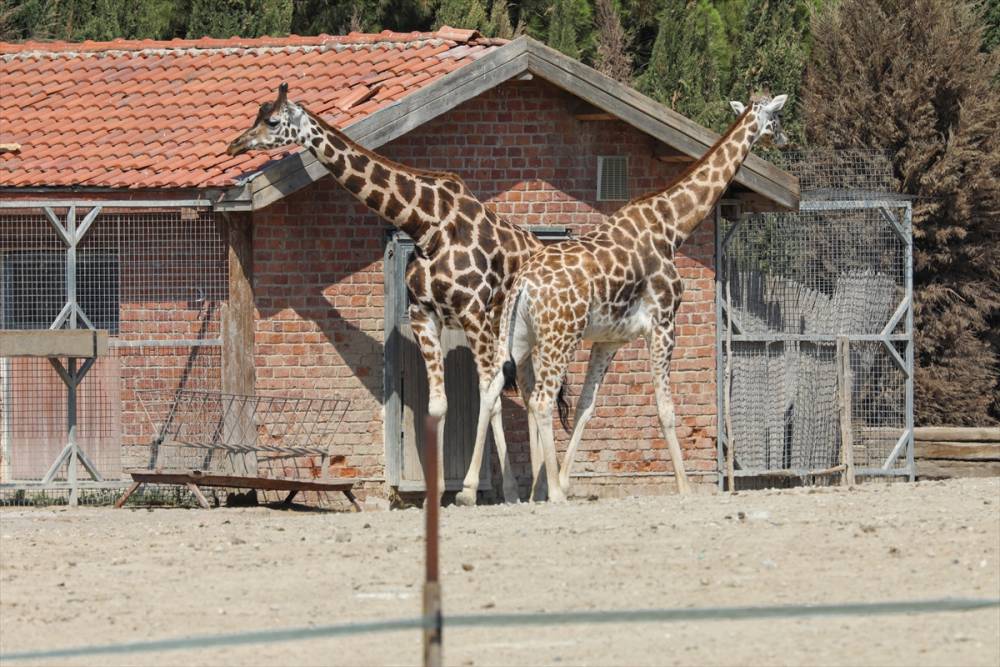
89 576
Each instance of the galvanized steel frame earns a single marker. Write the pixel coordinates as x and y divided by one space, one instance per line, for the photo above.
903 312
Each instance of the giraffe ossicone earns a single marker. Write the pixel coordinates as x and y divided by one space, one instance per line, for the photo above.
611 286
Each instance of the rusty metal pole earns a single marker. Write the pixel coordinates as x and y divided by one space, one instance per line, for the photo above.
433 621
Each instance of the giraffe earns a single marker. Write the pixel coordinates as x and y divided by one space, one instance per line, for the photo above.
611 286
465 256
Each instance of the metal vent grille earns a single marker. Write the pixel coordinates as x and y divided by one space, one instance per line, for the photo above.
612 178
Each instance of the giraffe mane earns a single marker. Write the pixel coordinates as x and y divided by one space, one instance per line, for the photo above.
450 175
694 165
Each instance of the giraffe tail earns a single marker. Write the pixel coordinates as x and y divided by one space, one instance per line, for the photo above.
563 406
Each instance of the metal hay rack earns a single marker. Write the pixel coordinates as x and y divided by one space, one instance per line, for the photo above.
211 438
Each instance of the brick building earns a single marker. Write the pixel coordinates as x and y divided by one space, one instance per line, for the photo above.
258 274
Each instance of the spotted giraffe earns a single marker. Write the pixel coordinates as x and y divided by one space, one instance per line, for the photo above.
465 256
612 286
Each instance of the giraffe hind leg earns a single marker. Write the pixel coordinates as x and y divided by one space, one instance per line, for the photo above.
426 330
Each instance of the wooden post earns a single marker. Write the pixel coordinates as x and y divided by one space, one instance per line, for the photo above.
844 384
433 620
238 372
727 390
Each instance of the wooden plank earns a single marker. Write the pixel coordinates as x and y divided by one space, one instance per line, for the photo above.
133 487
844 385
240 482
957 434
54 343
966 451
238 372
941 469
193 488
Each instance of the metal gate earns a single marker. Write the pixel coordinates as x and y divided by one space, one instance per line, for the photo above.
788 286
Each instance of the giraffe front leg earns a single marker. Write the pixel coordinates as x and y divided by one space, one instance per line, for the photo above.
661 347
426 330
601 356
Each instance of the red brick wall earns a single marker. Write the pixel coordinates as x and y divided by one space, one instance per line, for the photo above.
319 283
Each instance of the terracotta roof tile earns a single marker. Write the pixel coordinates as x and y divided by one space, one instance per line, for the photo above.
158 114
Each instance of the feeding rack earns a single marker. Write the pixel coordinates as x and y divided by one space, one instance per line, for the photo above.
216 439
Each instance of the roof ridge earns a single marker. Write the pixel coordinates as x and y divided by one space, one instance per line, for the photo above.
262 44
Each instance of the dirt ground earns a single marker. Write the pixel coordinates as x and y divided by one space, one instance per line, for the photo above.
94 576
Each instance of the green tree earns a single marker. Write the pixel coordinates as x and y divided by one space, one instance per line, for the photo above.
76 20
683 69
990 11
570 28
244 18
499 24
771 55
899 75
469 14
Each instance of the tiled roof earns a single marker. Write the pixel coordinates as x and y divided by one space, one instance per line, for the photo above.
147 114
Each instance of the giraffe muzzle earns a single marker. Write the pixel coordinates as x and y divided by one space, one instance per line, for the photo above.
237 146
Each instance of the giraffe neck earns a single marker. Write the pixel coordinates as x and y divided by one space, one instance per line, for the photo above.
683 205
411 200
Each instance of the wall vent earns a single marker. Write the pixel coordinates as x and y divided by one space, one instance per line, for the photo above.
612 178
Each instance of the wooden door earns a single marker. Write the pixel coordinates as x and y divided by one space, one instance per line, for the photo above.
406 389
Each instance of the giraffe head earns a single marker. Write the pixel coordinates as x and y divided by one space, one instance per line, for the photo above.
766 111
278 123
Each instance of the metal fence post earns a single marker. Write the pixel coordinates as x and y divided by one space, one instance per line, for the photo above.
433 620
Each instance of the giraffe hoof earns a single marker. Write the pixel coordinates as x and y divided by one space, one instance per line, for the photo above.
466 498
557 497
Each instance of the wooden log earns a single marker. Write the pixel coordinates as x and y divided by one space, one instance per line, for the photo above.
965 451
957 434
943 469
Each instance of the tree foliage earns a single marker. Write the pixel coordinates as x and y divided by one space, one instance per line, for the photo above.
899 75
613 57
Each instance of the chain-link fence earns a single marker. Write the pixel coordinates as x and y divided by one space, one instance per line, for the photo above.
790 284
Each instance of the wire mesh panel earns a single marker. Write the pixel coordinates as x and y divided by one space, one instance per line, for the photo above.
789 285
154 277
219 433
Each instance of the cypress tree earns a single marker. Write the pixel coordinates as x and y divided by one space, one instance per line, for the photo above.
244 18
612 55
772 52
499 24
901 76
570 28
469 14
683 71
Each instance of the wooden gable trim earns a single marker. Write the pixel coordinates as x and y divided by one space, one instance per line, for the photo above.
518 58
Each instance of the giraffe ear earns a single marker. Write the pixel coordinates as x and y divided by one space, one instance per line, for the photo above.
737 107
777 103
